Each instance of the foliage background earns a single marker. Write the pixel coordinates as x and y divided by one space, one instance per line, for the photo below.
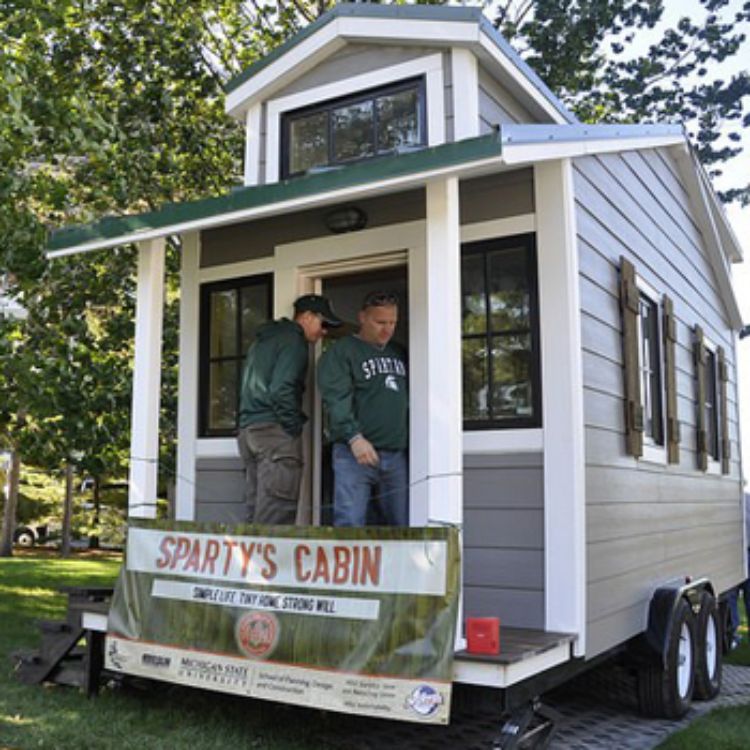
116 106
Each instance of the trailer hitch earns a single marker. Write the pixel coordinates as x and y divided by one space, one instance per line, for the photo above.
529 727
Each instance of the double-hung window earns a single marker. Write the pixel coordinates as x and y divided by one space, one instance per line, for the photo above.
341 131
650 368
500 334
231 313
711 405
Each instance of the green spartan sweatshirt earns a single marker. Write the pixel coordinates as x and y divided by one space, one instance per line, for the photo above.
273 379
365 389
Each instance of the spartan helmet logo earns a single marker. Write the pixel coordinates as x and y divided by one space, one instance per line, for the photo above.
391 382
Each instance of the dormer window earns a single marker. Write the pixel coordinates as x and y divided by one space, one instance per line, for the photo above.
374 123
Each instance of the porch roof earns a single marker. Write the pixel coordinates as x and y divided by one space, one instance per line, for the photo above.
242 203
508 146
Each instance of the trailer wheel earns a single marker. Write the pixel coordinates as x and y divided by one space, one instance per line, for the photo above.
665 691
708 668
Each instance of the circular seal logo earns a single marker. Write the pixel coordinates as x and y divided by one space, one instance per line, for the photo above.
424 700
257 633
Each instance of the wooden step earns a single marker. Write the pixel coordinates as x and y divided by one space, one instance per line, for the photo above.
53 626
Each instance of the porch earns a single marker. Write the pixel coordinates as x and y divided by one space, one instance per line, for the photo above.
456 475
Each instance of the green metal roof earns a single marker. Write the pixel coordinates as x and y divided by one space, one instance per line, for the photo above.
373 170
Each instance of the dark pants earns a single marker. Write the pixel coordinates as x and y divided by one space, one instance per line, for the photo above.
353 485
273 472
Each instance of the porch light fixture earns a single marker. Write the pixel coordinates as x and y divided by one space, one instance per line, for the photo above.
346 219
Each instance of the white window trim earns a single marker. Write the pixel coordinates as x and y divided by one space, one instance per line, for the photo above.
713 466
527 440
652 452
520 440
430 66
237 270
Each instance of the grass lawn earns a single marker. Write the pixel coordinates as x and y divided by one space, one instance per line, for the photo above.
157 716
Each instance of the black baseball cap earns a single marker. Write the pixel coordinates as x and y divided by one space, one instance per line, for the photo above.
320 305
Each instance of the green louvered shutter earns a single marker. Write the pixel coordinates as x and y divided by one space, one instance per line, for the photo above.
699 358
670 380
629 306
723 383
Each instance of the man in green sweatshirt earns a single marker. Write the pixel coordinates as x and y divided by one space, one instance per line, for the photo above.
364 384
271 416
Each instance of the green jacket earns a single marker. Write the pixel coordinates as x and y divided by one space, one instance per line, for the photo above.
366 390
273 378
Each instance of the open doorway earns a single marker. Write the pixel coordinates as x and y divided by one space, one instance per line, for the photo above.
346 292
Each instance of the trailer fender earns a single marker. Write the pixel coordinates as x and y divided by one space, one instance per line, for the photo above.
654 643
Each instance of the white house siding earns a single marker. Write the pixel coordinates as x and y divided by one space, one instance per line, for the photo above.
647 523
353 60
258 239
504 538
497 105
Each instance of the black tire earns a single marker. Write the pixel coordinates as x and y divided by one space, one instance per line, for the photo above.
665 692
24 537
708 662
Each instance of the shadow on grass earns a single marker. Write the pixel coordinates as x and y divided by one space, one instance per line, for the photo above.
138 715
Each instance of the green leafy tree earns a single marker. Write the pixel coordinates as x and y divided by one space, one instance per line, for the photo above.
116 106
583 49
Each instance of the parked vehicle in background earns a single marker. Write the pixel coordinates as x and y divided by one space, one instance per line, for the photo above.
28 536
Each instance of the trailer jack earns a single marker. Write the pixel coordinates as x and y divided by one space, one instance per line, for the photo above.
528 727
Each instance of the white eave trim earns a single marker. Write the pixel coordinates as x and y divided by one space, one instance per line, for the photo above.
520 149
532 152
335 35
517 78
703 198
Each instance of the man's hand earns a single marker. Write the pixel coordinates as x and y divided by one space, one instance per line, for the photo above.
364 452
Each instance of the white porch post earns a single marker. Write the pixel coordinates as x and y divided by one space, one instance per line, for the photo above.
187 398
144 436
562 396
435 365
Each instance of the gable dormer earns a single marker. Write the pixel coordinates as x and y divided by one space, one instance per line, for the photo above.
368 80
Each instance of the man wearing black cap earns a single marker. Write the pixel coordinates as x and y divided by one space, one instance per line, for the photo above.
271 416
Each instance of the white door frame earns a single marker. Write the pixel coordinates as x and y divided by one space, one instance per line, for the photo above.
301 268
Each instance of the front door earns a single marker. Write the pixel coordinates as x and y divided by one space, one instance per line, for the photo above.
346 293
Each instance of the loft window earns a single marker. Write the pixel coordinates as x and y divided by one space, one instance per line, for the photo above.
711 405
500 334
650 357
349 129
231 313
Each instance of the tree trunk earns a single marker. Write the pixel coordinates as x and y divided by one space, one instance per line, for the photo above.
11 504
67 511
94 538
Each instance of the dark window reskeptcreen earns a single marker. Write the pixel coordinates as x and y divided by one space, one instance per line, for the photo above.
352 128
230 314
500 334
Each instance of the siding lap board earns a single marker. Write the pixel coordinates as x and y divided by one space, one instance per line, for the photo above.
504 538
646 522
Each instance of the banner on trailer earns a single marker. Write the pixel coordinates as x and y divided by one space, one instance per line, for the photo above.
354 620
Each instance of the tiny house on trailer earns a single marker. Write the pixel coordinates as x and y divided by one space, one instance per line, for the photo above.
568 307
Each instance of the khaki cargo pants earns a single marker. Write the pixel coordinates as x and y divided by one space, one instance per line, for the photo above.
273 472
